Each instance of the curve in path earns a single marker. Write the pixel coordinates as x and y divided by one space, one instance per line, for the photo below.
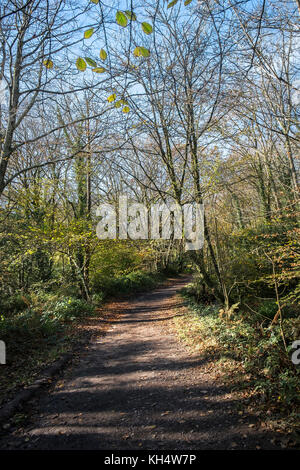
138 387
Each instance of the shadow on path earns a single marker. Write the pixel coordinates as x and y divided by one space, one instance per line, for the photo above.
139 388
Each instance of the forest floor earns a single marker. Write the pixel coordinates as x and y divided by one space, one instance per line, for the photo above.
138 387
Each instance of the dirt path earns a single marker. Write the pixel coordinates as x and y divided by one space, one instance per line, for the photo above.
139 388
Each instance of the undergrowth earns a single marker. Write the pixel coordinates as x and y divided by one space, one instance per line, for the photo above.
134 282
38 326
251 353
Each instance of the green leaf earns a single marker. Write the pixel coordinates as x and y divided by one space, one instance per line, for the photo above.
145 52
99 70
130 15
81 64
171 4
111 98
88 33
48 63
147 28
91 62
141 52
121 19
95 1
103 54
126 109
187 2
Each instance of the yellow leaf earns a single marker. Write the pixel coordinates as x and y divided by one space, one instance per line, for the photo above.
88 33
103 54
141 52
111 98
99 70
48 63
81 64
170 5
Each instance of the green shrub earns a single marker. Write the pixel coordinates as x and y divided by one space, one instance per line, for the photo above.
97 299
27 332
14 304
24 331
131 283
268 309
68 310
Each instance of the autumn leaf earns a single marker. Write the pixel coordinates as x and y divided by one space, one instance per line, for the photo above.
121 19
141 52
111 98
48 63
147 28
130 15
91 62
99 70
170 5
103 54
88 33
81 64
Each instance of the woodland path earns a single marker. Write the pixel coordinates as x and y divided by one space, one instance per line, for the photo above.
138 387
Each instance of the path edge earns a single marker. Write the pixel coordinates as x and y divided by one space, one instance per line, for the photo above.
10 408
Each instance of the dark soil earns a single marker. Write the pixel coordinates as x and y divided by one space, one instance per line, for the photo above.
138 387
